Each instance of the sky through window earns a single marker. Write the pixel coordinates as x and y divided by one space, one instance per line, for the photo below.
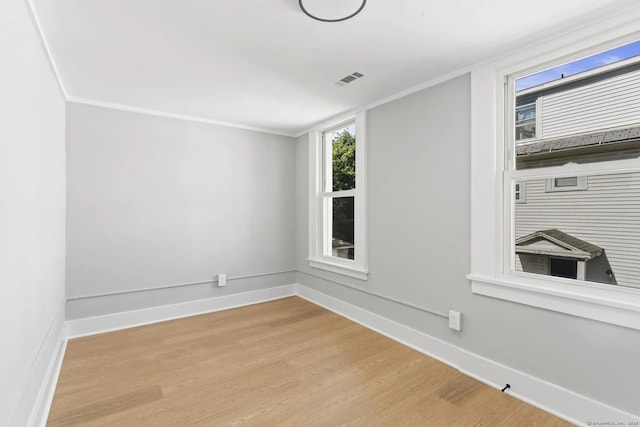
601 59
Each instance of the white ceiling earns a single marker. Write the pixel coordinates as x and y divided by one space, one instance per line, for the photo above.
264 64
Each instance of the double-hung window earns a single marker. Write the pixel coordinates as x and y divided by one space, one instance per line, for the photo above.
567 133
336 203
582 220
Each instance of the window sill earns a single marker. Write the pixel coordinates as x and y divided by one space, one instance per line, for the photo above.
619 306
335 267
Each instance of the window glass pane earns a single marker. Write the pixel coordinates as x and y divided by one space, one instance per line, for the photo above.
571 181
594 61
343 158
526 121
591 235
581 112
561 267
342 242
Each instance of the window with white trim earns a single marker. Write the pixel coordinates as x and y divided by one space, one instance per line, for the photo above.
336 205
565 250
591 120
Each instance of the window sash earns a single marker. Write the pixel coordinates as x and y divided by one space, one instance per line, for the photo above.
581 172
327 154
326 201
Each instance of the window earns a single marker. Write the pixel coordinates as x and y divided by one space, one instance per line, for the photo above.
567 183
336 202
585 117
521 192
565 250
561 267
526 121
339 148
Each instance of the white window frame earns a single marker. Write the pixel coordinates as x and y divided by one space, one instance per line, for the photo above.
492 182
319 214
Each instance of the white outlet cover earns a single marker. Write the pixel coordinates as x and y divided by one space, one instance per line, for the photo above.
222 280
455 318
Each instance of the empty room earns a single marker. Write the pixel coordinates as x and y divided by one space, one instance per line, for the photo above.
319 213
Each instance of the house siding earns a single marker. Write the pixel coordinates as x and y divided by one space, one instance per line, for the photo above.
613 102
606 214
538 264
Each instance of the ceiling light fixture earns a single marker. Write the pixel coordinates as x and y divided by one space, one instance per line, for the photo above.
331 11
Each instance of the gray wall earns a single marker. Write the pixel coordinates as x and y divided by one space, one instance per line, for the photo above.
155 202
32 190
419 240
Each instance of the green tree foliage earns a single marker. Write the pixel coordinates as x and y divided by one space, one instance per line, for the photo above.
344 161
344 178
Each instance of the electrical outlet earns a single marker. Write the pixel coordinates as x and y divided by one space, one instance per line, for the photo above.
222 280
455 320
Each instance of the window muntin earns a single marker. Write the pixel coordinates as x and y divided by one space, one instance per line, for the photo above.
589 122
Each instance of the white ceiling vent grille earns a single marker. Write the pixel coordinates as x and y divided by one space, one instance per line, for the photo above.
350 78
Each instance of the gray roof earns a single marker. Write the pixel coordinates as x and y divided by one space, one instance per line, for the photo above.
577 248
578 141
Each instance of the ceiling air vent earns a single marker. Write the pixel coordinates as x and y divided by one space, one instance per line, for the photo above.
348 79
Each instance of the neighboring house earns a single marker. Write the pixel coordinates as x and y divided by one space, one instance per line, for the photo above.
555 253
584 227
342 249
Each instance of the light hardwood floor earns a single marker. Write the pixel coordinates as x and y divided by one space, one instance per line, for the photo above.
281 363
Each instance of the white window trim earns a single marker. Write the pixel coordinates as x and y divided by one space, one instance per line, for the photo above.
356 268
491 242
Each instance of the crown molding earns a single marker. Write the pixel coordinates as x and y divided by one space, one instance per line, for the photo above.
47 49
152 112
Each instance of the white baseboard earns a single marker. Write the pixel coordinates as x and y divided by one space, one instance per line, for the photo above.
566 404
35 399
45 399
128 319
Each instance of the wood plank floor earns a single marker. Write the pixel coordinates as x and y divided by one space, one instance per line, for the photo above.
281 363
